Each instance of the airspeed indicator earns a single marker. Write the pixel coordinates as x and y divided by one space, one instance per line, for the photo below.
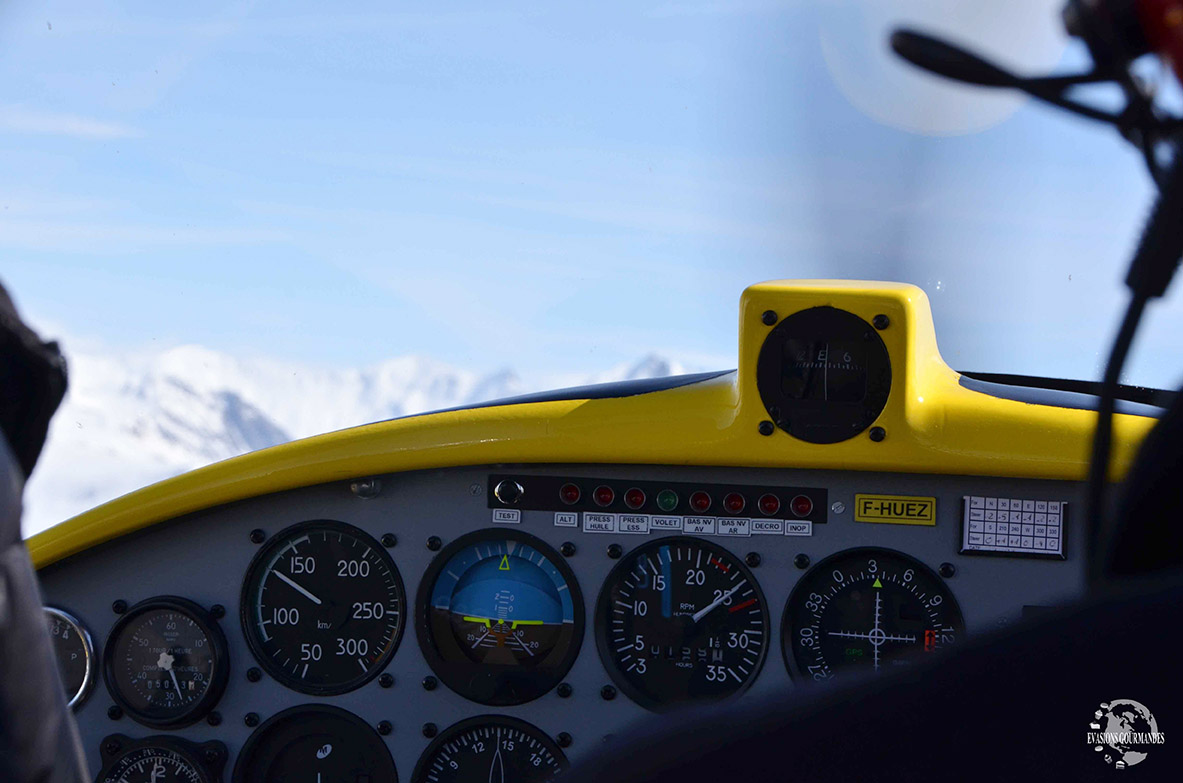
322 607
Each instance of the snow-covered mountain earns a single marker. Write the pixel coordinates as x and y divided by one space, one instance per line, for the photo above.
130 420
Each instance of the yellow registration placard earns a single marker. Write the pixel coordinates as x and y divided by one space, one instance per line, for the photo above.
895 509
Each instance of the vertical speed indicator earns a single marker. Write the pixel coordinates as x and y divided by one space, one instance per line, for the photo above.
681 620
323 607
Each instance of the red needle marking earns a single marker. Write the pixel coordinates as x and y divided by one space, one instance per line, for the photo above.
719 564
744 605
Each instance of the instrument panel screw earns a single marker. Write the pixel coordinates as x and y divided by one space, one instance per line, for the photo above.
567 549
607 693
564 690
258 536
385 727
211 755
878 434
119 606
253 674
838 507
251 719
475 489
386 681
114 712
434 543
615 551
366 488
111 747
769 317
563 740
752 559
430 730
767 428
801 561
881 322
947 570
214 718
389 540
430 683
217 611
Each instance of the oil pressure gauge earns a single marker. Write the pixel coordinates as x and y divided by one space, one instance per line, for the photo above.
165 662
74 653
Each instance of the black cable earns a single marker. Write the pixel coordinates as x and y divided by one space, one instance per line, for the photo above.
1103 436
1157 257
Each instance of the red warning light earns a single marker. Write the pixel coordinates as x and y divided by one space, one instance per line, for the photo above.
603 495
700 501
769 504
734 502
634 498
569 494
802 506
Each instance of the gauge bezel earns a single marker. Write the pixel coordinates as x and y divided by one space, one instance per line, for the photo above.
786 641
456 729
452 674
247 607
207 759
78 698
250 748
602 618
822 421
219 652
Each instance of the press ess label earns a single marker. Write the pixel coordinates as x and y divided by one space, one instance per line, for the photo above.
895 509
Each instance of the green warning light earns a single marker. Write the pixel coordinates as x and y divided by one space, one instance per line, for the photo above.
667 500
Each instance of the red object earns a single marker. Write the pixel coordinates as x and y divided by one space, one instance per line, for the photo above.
769 504
734 502
930 641
1162 24
744 605
634 498
569 494
700 501
719 564
802 505
603 495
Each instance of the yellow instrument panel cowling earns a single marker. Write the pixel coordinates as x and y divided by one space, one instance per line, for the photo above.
933 425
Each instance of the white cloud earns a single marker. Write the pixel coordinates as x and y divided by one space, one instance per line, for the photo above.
18 119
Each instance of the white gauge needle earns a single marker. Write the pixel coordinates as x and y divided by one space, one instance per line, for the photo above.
284 577
701 613
176 684
497 768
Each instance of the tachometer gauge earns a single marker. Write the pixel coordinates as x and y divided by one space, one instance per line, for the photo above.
500 617
315 744
160 760
165 662
490 748
681 620
322 607
74 653
869 609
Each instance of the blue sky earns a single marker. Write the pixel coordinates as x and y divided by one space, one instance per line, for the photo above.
550 187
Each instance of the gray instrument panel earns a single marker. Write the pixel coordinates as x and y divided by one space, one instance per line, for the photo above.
204 557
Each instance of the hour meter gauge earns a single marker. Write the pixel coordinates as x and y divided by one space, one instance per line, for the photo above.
165 662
